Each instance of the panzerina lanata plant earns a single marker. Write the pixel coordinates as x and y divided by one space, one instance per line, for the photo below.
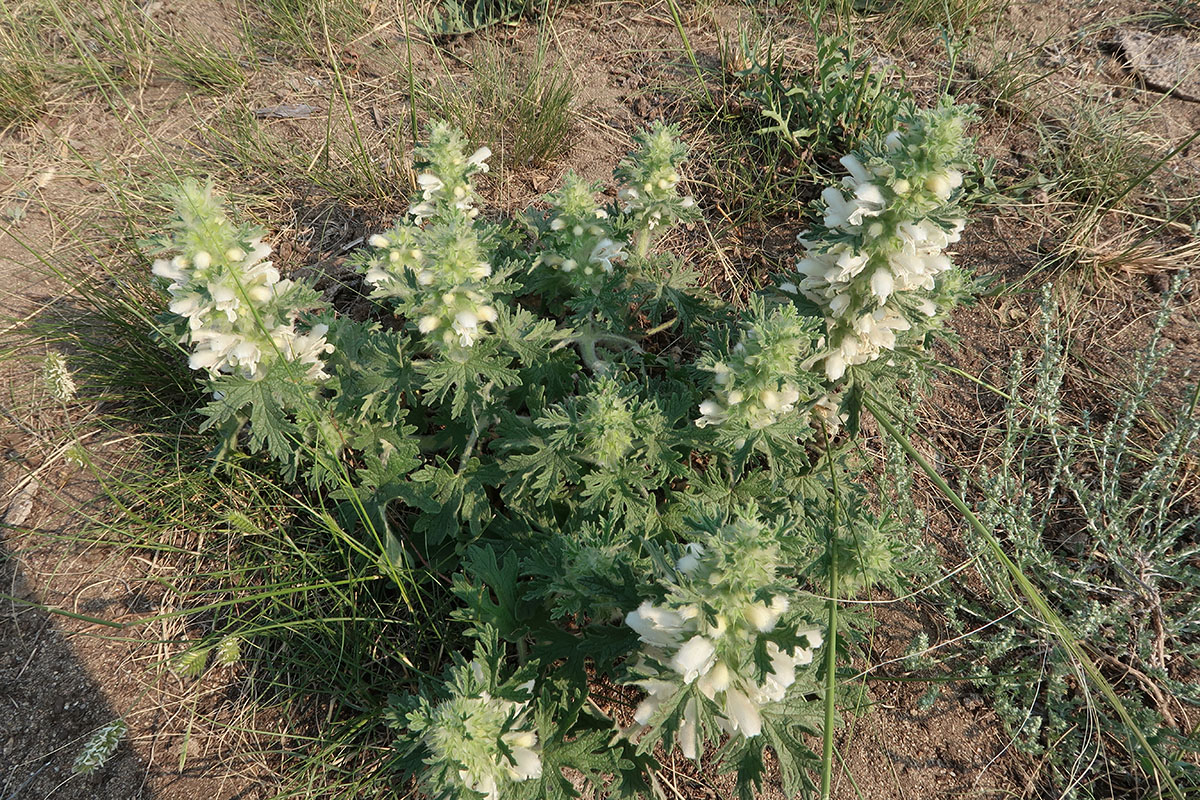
609 509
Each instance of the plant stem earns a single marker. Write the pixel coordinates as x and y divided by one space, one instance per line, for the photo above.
830 672
831 638
586 339
480 423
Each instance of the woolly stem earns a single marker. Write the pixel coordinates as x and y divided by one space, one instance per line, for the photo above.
643 242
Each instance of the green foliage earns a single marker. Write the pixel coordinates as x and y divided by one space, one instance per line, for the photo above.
457 17
1093 514
829 109
894 19
780 127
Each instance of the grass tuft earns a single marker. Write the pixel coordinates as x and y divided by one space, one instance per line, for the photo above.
1095 154
210 69
522 108
21 93
894 20
774 129
306 29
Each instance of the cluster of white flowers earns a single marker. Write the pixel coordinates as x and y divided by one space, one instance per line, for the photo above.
758 381
874 266
761 409
650 177
718 610
446 184
438 274
655 199
576 237
435 266
478 741
241 315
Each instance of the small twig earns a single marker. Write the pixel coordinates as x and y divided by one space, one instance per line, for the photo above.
1150 686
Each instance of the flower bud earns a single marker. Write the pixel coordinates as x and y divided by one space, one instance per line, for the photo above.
939 184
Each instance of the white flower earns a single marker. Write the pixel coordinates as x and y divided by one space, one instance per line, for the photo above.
172 269
235 323
605 251
225 299
430 185
828 413
305 348
526 763
848 215
478 158
655 625
743 714
191 305
716 680
943 183
835 366
691 558
763 618
422 211
868 252
689 731
856 169
711 649
879 328
483 742
694 658
882 284
466 325
780 402
711 413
